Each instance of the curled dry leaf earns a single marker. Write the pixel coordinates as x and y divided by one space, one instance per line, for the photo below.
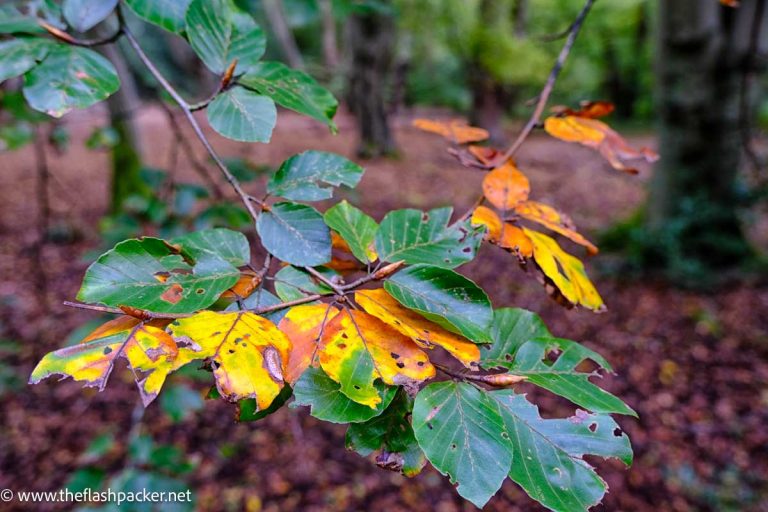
456 131
591 109
556 221
565 271
505 186
426 334
247 353
304 325
146 346
598 135
357 348
503 234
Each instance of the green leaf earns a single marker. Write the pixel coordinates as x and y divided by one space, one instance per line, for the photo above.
220 33
248 409
292 89
547 454
561 376
300 176
168 14
355 227
511 328
462 433
295 234
240 114
315 389
292 283
69 77
446 298
414 236
231 246
19 55
83 15
391 434
149 274
12 21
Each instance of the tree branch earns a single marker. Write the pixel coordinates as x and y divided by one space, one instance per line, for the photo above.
549 85
87 43
185 107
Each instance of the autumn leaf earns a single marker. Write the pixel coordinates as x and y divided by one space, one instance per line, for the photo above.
505 186
456 131
484 154
730 3
148 349
342 258
503 234
303 325
357 348
247 352
426 334
590 109
244 287
565 271
598 135
558 222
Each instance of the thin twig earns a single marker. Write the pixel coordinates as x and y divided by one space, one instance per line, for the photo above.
333 286
190 118
491 379
87 43
550 84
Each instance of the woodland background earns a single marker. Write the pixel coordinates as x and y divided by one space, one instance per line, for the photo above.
682 270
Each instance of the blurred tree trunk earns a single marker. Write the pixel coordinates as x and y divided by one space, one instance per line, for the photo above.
126 154
371 36
279 26
330 48
703 50
489 97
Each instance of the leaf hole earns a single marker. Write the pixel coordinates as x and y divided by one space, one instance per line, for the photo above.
356 387
429 426
394 355
593 427
505 435
107 350
617 432
342 345
200 291
400 364
453 446
420 363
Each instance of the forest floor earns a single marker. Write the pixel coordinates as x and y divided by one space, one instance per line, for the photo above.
694 366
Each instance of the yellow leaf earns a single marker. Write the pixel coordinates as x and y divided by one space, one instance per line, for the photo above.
506 186
357 348
303 326
148 349
456 131
503 234
247 352
566 272
598 135
426 334
554 220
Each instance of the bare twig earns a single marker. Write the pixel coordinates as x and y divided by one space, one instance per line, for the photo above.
550 84
185 107
333 286
67 38
492 379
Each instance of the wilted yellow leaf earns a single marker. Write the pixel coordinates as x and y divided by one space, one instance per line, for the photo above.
506 186
554 220
455 131
248 353
303 325
357 348
565 271
426 334
148 349
598 135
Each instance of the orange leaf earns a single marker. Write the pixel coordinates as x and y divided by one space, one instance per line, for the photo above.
730 3
598 135
590 109
503 234
506 186
244 287
303 326
554 220
456 131
484 154
342 258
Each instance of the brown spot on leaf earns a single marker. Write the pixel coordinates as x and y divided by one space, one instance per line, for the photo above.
173 293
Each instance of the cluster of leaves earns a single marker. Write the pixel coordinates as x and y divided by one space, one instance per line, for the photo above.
362 316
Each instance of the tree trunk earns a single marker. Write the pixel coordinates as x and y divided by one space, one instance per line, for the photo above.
371 43
126 154
279 26
694 201
330 48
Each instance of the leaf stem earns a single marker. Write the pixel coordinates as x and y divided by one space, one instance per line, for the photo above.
87 43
